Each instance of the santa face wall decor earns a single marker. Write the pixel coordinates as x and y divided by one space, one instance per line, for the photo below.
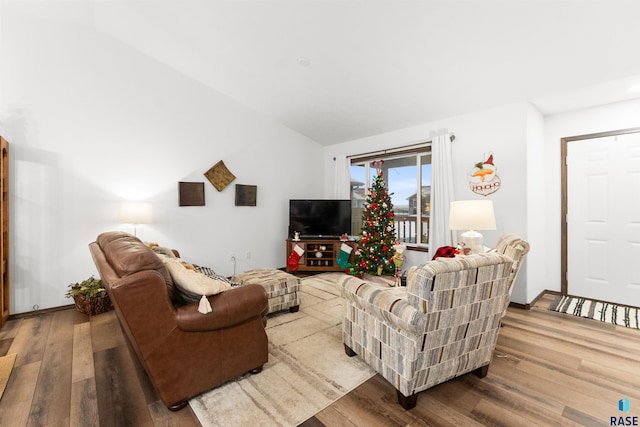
483 178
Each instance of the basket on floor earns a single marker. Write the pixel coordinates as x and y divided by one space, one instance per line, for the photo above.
92 305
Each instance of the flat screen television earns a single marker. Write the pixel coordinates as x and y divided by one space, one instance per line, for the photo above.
319 218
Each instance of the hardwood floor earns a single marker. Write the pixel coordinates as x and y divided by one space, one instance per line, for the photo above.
549 369
78 371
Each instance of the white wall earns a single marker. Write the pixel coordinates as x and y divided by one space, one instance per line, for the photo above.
539 219
502 131
93 122
618 116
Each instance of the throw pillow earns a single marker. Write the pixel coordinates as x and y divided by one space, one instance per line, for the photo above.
208 271
445 252
162 250
193 283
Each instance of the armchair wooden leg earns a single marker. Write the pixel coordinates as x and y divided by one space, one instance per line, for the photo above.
348 351
482 371
407 402
294 309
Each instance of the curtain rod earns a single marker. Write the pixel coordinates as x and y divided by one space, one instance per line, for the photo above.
396 150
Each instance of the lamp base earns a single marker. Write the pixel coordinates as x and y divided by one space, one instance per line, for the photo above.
473 240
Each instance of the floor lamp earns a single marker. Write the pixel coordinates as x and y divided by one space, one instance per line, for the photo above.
472 215
135 213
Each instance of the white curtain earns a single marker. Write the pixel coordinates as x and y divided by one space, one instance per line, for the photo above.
441 192
341 177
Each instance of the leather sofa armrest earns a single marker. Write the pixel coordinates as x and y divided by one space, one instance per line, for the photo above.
229 308
388 303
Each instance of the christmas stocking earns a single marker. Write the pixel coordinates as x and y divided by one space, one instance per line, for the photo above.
343 256
294 258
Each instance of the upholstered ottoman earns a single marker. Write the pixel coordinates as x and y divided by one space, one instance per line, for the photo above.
282 288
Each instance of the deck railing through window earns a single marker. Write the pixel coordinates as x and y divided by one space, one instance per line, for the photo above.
407 229
406 226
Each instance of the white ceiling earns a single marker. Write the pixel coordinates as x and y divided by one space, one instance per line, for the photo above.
337 70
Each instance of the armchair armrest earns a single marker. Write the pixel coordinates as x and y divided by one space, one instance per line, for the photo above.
229 308
384 302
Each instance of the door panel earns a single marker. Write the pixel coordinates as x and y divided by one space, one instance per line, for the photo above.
603 218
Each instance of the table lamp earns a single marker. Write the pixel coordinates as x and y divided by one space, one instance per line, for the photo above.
135 213
472 215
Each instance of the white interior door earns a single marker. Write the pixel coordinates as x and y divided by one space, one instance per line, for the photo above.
603 218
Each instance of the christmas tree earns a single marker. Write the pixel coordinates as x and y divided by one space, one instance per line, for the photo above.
375 250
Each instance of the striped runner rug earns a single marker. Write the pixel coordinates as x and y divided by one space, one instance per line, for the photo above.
598 310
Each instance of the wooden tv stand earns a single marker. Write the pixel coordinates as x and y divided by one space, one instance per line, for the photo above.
319 255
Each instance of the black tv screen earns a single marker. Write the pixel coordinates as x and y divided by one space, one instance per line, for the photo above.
319 218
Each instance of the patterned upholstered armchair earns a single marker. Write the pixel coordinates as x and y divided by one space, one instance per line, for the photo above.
515 248
444 324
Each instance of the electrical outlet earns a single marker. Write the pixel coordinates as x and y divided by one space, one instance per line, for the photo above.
247 255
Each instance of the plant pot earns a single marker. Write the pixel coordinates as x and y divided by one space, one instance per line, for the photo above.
92 305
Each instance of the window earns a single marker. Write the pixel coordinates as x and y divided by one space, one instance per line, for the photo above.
407 176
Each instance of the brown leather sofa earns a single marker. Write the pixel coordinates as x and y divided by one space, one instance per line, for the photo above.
183 351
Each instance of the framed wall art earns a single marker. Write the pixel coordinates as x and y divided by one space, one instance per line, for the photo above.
219 176
246 195
191 193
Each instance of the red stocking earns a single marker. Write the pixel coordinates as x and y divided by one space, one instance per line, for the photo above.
294 258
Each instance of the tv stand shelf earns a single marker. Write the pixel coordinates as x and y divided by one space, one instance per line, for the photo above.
319 254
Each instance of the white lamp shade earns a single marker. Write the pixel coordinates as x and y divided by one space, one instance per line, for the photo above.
135 213
472 215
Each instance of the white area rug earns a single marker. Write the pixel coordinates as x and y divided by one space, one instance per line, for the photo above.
307 369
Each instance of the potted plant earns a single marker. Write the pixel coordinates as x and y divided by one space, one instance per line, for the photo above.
90 296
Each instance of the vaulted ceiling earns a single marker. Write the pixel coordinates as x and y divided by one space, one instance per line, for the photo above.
338 70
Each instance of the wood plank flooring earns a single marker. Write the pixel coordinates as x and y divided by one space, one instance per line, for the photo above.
549 369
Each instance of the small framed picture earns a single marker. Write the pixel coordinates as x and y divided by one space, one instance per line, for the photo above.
191 193
246 195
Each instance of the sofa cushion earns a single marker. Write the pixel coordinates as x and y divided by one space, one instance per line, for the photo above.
128 255
190 282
